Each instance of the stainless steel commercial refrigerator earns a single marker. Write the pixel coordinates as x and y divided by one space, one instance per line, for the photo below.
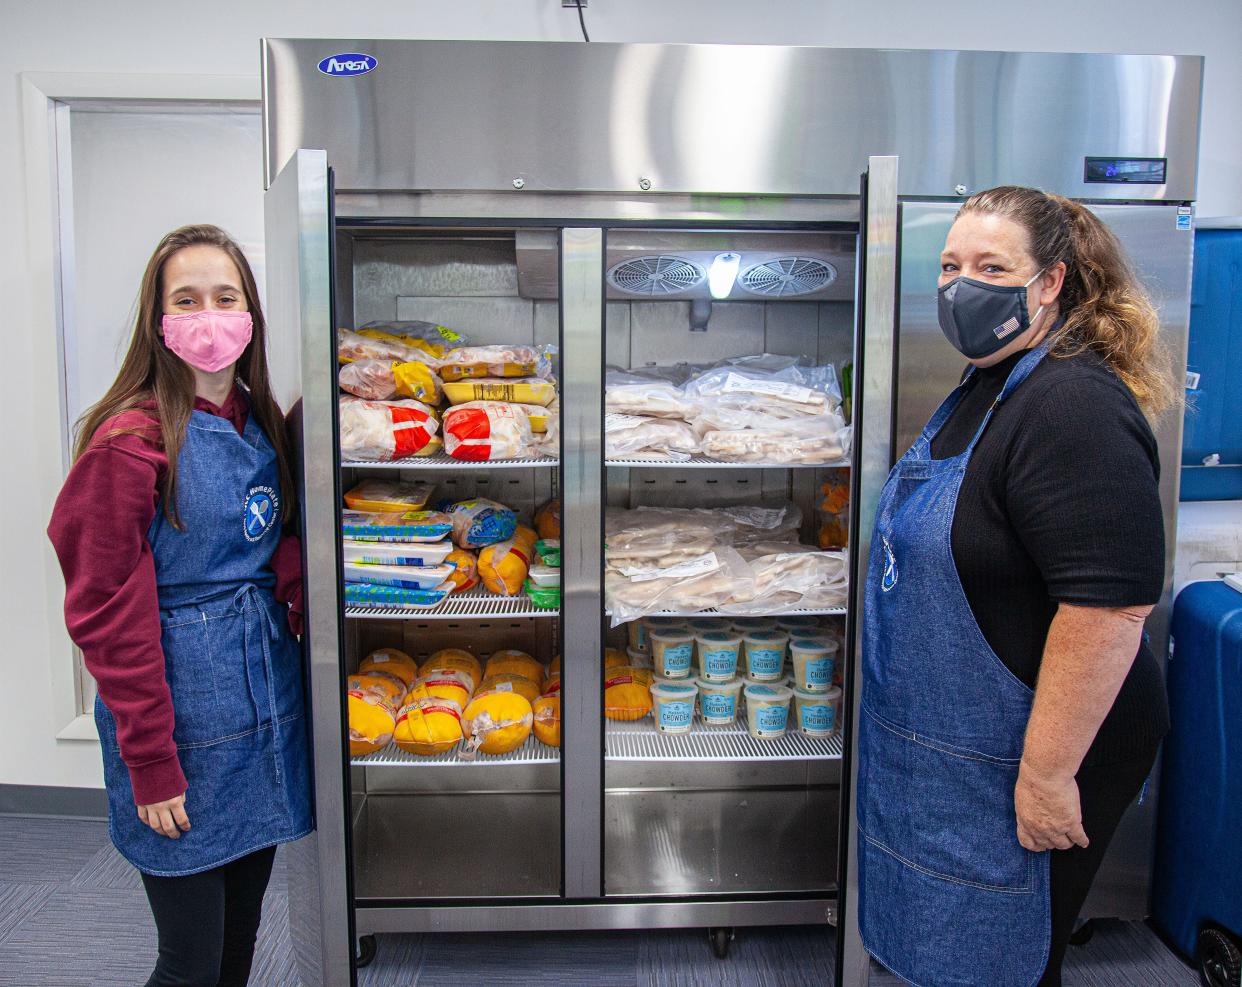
568 194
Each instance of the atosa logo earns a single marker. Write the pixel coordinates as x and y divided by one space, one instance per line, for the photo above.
348 63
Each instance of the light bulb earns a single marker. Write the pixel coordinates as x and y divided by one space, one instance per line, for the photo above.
722 274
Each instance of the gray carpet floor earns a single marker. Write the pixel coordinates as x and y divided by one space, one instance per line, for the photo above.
73 914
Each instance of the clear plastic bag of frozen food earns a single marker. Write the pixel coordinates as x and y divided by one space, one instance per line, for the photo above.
510 360
630 435
382 431
427 336
733 394
764 523
760 439
685 587
479 522
663 536
651 392
381 380
351 346
790 577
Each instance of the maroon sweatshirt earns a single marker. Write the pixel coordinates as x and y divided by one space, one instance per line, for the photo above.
99 530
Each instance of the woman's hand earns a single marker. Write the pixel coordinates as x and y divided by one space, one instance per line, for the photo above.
1049 814
167 818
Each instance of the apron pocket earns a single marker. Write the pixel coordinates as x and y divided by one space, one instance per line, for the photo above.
205 663
945 811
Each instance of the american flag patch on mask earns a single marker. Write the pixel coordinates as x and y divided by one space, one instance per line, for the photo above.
1006 327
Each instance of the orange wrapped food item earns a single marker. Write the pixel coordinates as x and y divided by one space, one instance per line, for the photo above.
547 722
517 662
441 684
627 693
428 726
372 720
391 661
554 666
552 684
379 684
509 682
614 658
466 574
498 722
548 519
504 567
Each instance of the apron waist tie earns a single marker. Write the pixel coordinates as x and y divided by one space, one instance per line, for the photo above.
250 593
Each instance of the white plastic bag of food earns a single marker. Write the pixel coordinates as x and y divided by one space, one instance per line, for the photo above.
732 394
807 440
381 431
684 587
629 435
789 577
382 380
663 536
488 430
514 360
646 393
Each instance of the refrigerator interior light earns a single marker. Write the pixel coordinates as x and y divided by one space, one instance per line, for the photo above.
722 274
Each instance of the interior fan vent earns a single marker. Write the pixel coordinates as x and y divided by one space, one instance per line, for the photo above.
660 275
785 276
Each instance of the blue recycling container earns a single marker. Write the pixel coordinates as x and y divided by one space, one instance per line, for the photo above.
1198 878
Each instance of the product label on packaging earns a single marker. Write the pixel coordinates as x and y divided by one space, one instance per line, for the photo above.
720 663
794 392
691 567
616 422
818 719
720 708
676 659
819 671
770 720
765 662
675 715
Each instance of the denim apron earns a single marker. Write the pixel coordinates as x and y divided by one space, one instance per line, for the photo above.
947 894
233 668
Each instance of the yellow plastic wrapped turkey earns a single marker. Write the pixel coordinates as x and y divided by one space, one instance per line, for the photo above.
372 720
497 722
454 660
391 661
509 682
428 726
547 725
627 693
379 684
442 684
504 567
548 519
516 662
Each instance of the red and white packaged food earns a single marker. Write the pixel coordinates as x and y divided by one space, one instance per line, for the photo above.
381 431
487 430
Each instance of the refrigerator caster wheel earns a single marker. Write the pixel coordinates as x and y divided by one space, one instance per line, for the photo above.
1082 935
721 937
1220 959
366 951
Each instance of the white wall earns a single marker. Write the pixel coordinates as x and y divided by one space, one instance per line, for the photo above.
221 38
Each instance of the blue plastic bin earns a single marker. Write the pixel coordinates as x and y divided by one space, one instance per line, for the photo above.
1198 879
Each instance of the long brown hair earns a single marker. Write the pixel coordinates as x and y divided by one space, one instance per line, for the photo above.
1106 308
152 372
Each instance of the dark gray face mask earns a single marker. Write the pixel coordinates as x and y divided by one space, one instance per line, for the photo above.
980 318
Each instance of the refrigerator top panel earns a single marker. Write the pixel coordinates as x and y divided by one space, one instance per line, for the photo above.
645 119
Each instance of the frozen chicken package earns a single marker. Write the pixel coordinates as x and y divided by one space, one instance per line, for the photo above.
791 441
513 360
655 392
522 390
791 576
488 430
380 380
479 522
693 584
382 431
657 438
433 339
767 385
351 346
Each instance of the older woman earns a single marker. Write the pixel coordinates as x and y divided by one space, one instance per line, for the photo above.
1010 709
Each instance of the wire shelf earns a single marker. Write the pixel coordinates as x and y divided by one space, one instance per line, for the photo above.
707 462
474 603
441 461
639 740
715 612
531 752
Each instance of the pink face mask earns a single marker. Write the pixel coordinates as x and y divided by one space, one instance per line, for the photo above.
208 340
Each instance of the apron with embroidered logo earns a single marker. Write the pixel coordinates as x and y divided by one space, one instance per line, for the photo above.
947 894
233 668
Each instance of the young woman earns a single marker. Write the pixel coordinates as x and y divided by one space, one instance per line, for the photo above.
183 591
1010 707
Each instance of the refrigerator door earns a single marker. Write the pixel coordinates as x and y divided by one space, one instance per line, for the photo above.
874 355
299 315
1159 247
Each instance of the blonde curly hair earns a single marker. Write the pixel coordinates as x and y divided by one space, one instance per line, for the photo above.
1106 308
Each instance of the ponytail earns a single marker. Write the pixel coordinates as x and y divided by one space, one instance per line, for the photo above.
1105 307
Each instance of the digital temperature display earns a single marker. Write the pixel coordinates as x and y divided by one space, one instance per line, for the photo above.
1125 171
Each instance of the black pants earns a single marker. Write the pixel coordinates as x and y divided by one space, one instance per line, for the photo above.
1105 792
207 923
